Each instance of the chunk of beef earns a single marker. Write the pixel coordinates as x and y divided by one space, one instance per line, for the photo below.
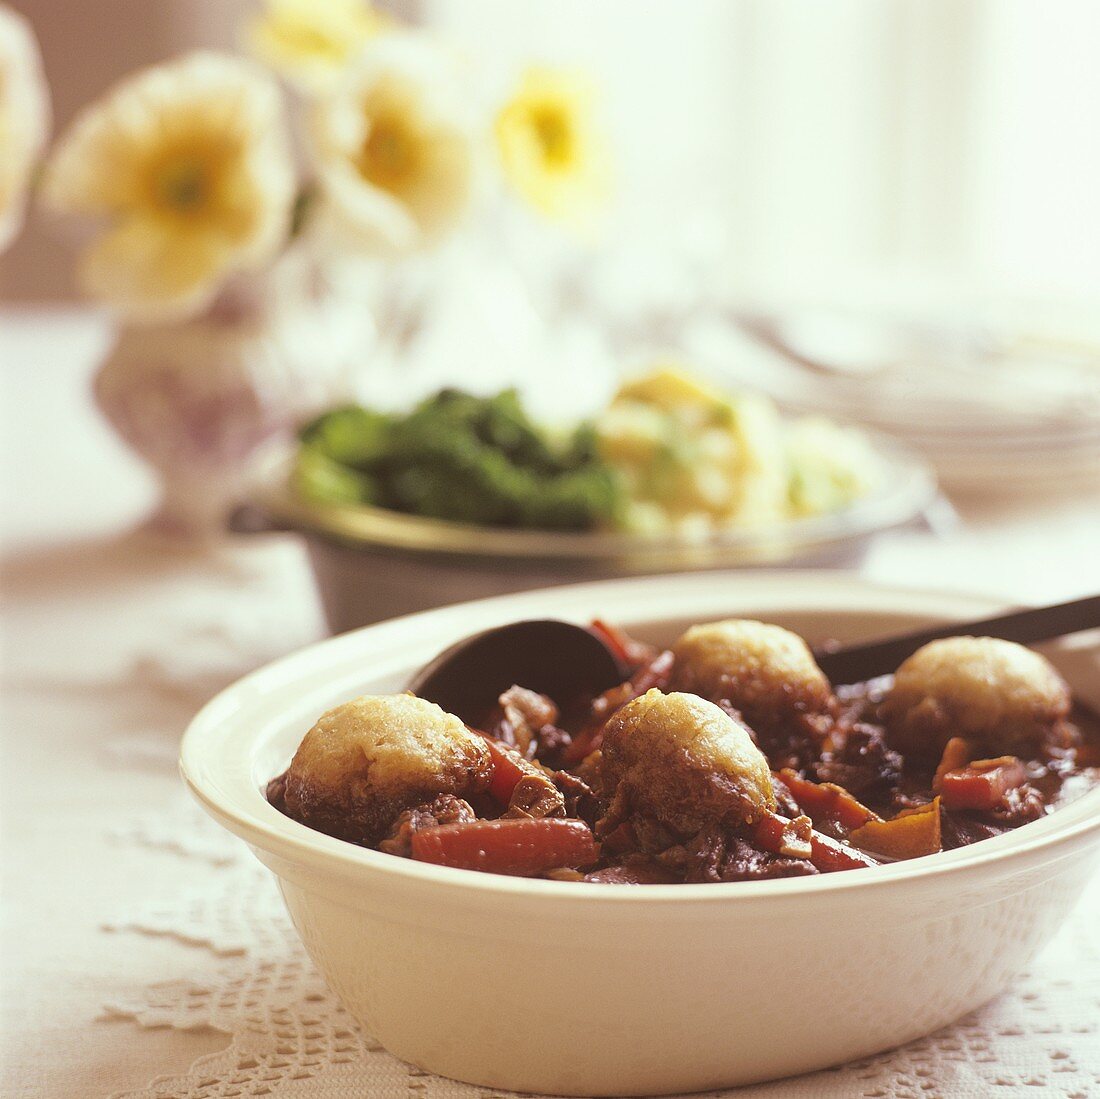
860 761
633 871
962 827
1020 805
719 855
580 799
524 714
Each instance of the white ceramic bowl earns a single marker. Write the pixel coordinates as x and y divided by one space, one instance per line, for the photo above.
593 990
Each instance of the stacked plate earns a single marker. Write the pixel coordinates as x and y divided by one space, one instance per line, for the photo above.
992 409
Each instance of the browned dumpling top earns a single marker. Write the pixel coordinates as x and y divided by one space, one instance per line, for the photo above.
684 761
1003 696
764 671
369 759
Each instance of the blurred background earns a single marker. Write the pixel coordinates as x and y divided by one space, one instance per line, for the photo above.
878 148
883 213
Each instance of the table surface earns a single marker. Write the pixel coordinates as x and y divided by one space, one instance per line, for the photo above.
113 637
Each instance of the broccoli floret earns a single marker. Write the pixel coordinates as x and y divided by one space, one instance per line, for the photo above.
469 459
353 436
316 477
570 500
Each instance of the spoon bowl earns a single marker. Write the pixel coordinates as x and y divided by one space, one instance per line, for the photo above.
558 659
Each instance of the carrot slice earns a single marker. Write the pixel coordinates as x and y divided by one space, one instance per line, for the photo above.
771 831
983 784
911 834
785 837
826 801
519 846
508 769
957 752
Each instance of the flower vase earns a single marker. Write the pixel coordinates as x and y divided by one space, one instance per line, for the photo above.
197 398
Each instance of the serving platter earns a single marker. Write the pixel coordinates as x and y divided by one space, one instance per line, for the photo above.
372 563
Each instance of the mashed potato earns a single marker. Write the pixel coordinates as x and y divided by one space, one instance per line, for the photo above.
694 459
830 465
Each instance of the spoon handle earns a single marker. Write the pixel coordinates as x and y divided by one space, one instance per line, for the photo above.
854 663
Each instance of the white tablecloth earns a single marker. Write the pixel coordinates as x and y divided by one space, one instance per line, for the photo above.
137 941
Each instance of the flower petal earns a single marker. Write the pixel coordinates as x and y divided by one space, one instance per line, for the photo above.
311 42
188 162
418 183
24 118
550 150
148 271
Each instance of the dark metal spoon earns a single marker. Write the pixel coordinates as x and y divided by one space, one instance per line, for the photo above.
855 663
557 659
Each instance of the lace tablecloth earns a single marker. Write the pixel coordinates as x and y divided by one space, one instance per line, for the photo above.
289 1037
147 954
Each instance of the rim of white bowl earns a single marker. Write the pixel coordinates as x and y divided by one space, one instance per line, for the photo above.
216 754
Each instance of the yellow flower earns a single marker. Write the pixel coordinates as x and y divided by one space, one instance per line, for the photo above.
24 118
312 41
187 168
551 151
395 151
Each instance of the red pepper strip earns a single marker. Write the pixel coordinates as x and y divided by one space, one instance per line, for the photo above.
957 753
829 854
521 846
615 640
508 768
654 674
826 854
826 801
983 784
629 650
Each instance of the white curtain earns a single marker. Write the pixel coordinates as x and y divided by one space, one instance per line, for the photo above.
880 147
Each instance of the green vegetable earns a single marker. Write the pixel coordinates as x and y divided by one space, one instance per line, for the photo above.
352 436
318 478
460 457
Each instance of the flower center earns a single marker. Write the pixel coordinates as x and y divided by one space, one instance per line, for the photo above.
390 154
182 185
553 133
